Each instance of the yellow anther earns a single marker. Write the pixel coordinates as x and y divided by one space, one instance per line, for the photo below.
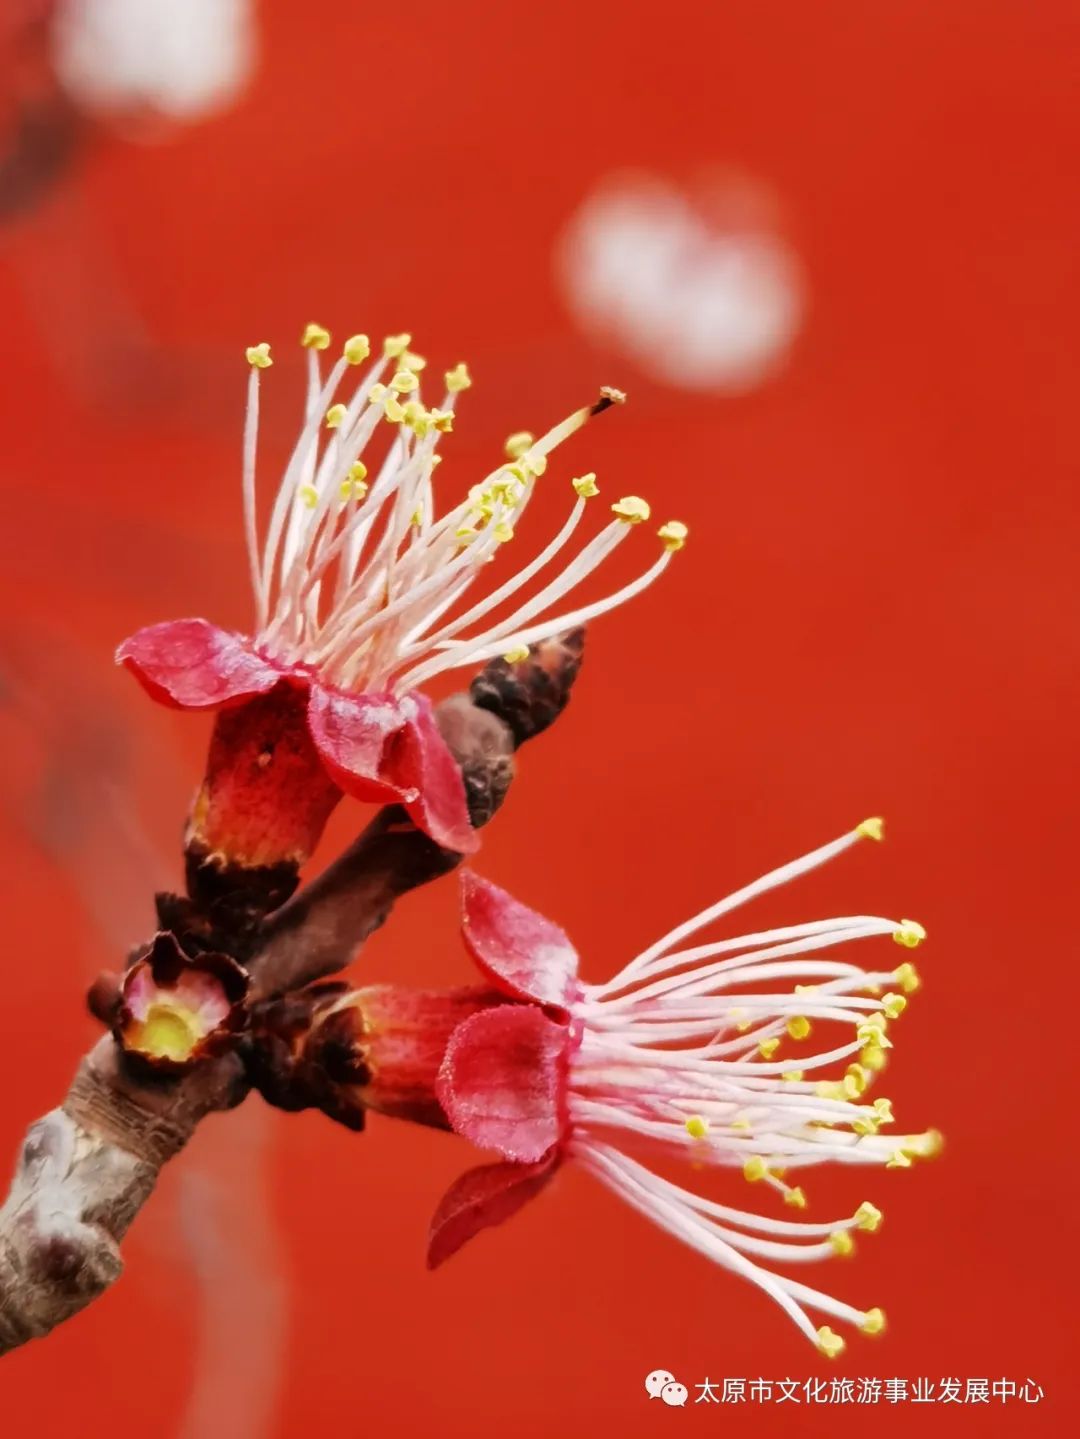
353 489
334 416
631 509
872 1030
793 1076
442 420
315 337
830 1089
673 535
586 486
755 1169
508 491
851 1087
410 360
873 1321
466 534
309 494
883 1110
842 1243
458 379
873 1057
536 466
377 394
798 1026
858 1076
396 345
258 356
807 988
515 655
502 532
866 1123
394 410
434 462
893 1005
795 1197
518 444
829 1343
696 1127
740 1124
873 828
768 1047
417 418
481 501
404 382
356 349
910 933
907 977
899 1160
924 1146
617 397
417 517
868 1217
358 470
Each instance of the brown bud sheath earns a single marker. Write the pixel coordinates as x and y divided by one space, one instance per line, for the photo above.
530 694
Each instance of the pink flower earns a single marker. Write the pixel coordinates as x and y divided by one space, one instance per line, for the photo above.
357 587
679 1054
176 1009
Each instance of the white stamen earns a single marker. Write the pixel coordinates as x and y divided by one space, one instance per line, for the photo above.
704 1059
397 570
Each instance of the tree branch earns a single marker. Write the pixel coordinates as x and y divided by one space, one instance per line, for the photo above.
87 1168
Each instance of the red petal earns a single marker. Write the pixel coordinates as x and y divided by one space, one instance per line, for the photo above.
386 750
421 759
503 1079
191 664
481 1198
520 951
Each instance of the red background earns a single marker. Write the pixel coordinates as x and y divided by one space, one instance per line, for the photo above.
874 615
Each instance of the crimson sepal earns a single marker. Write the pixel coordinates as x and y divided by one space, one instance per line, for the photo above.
523 954
191 664
388 750
502 1081
482 1198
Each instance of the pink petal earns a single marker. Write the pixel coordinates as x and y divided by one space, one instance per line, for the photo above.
386 750
191 664
204 995
520 951
140 991
502 1082
482 1198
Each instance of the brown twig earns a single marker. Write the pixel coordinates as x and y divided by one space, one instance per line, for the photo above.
86 1169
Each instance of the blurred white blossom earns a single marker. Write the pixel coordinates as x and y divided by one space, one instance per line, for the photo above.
177 59
699 287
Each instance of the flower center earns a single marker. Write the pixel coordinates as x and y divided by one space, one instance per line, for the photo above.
168 1032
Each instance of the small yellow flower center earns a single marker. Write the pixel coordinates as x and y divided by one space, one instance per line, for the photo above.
168 1032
